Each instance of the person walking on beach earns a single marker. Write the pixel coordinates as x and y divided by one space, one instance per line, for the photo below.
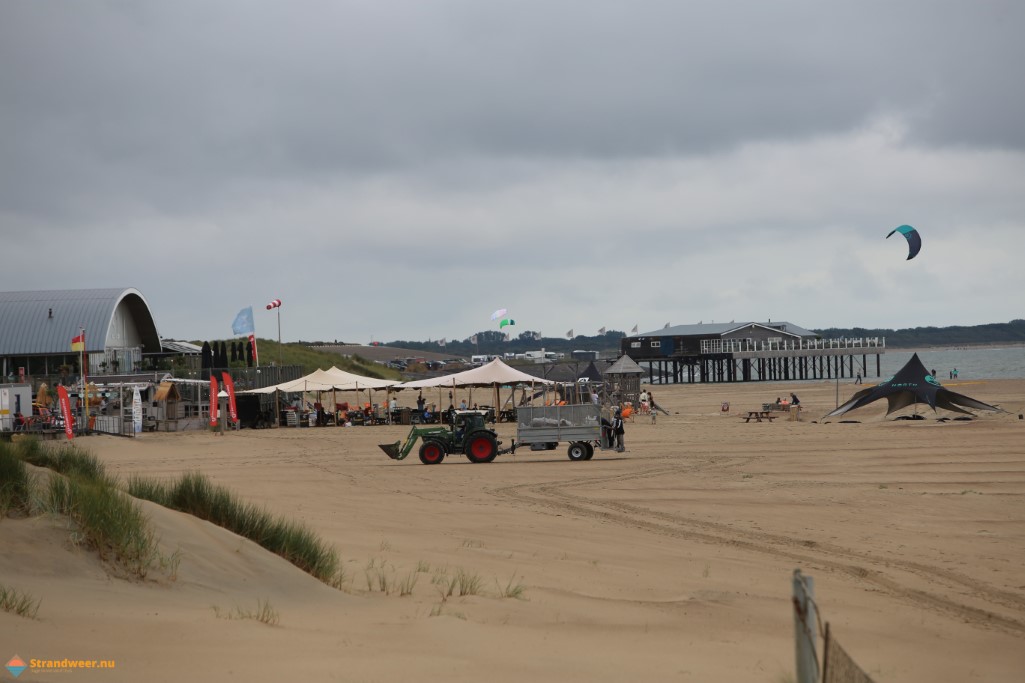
617 429
857 378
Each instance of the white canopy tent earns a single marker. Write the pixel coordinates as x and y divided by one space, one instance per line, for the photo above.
494 374
332 380
327 380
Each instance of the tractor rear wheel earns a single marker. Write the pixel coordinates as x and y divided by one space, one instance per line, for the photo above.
431 453
481 447
577 451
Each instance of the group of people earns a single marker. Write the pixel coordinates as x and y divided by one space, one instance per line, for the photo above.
648 407
786 403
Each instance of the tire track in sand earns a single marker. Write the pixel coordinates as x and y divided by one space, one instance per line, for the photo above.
946 593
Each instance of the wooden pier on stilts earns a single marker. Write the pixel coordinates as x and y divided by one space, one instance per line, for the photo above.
715 360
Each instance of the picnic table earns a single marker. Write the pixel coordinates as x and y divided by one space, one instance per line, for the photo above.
759 415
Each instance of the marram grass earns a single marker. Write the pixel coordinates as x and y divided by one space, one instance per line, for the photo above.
15 485
109 521
18 602
195 494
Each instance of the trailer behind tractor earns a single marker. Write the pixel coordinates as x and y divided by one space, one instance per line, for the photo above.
545 427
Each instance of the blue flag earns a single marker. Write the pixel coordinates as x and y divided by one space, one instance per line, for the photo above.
244 322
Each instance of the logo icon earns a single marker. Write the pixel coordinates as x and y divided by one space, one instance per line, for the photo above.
16 666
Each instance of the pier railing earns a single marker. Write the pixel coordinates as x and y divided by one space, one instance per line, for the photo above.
714 346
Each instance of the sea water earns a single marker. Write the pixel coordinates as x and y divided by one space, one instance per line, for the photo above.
972 362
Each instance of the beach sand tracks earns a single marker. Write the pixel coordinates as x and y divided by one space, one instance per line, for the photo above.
946 591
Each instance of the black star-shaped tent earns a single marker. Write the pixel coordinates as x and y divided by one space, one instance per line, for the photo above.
913 384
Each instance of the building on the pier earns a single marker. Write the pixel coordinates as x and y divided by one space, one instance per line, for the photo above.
748 352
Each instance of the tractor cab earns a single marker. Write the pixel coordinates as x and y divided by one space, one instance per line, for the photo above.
469 419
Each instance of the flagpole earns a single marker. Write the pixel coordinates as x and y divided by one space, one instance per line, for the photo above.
85 387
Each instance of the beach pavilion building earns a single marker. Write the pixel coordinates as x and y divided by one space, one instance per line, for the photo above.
37 328
748 351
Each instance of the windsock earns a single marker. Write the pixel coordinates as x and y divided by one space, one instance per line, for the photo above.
274 304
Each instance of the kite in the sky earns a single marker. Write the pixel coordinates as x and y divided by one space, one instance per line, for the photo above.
911 235
498 314
506 321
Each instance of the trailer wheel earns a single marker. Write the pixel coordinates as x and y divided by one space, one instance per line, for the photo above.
481 448
590 450
431 453
577 451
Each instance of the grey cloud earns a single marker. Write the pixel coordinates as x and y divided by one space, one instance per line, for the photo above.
497 147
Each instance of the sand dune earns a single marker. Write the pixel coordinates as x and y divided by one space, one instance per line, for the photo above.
671 562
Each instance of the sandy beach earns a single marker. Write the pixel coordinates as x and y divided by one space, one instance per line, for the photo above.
671 562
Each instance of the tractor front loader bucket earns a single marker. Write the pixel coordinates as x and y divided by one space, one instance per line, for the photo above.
391 449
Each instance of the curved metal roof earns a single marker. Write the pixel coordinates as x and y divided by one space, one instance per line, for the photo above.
27 328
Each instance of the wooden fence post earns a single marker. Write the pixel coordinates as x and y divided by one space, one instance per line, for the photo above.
805 626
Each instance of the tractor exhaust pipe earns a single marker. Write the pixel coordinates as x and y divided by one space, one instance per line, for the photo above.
391 449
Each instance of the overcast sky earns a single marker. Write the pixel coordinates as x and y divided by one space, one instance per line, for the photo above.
398 169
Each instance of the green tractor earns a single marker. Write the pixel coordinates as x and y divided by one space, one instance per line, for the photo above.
467 434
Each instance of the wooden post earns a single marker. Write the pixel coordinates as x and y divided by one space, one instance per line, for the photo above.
805 625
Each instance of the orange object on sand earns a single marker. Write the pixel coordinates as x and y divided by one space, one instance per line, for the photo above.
627 412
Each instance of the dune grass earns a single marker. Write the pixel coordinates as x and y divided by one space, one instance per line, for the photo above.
66 459
311 358
18 602
196 495
264 613
113 524
512 589
15 484
109 521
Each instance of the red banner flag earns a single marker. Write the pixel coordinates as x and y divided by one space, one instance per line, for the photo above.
229 386
65 404
256 357
213 401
